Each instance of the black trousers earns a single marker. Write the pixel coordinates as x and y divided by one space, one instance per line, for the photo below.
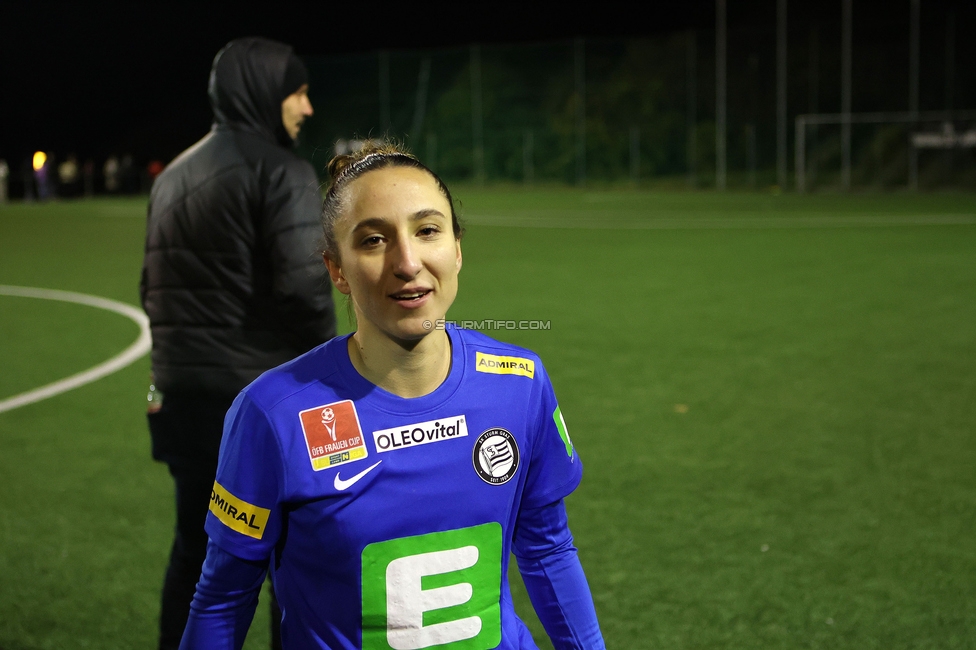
186 435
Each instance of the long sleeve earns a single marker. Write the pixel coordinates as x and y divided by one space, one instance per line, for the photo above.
224 603
554 578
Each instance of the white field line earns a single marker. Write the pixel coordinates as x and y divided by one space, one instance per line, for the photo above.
700 223
138 349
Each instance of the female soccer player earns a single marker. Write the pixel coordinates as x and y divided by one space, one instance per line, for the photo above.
387 475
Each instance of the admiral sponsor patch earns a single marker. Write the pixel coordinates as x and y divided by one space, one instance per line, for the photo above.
421 433
498 365
495 456
333 434
245 518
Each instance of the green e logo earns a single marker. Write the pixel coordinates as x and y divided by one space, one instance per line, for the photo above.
440 589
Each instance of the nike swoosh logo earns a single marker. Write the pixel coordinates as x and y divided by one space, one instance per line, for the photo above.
343 485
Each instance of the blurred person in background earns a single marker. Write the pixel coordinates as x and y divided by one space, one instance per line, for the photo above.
110 172
27 179
232 282
153 169
4 175
128 175
68 177
88 177
42 164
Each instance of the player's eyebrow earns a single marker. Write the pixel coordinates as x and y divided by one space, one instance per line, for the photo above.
374 222
428 212
377 222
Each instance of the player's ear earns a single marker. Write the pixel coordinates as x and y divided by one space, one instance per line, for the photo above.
457 245
335 273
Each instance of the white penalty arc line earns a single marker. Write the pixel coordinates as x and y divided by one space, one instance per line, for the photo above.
137 350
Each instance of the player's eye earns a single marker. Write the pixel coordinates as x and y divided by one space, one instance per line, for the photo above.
372 241
428 231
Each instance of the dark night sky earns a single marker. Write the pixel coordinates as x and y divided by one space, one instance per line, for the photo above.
96 79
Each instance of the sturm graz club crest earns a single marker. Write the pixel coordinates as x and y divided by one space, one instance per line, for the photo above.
495 456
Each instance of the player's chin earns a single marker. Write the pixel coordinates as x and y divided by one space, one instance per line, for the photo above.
415 329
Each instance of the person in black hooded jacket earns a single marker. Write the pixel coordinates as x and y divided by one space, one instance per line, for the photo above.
232 280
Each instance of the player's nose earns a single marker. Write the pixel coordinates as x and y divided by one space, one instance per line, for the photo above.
406 260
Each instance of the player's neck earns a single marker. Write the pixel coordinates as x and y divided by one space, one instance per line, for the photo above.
407 372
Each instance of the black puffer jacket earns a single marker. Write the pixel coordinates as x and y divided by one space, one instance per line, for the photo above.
232 280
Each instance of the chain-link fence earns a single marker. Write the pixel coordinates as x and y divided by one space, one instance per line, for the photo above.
624 111
566 112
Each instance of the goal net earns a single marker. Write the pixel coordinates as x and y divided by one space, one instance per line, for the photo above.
927 150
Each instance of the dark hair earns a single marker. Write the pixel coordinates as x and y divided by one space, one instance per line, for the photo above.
345 168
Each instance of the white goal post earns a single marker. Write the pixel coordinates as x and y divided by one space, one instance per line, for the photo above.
920 140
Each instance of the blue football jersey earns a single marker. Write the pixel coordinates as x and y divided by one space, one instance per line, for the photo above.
389 521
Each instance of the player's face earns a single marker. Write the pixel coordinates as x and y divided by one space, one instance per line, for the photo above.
398 257
294 109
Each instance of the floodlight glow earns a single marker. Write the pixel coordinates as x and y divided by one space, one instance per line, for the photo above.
39 159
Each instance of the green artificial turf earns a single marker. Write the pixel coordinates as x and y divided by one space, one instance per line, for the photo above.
773 397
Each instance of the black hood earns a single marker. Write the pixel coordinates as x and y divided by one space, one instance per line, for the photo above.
246 87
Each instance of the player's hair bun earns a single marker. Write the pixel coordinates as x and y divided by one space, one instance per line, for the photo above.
371 149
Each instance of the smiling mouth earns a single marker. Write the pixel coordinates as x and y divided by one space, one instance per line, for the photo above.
410 296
